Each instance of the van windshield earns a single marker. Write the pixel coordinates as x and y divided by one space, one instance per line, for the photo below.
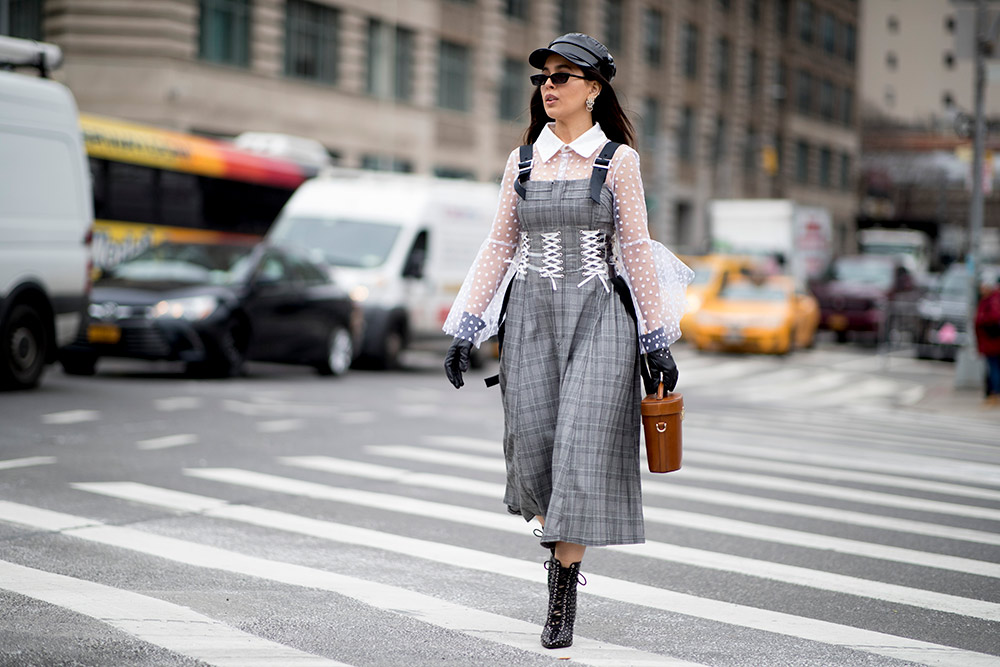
354 243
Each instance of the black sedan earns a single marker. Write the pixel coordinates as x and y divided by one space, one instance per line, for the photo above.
214 307
942 328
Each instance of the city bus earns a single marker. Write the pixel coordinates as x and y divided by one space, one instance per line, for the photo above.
153 185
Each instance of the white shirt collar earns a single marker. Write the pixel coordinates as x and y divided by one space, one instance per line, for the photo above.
548 144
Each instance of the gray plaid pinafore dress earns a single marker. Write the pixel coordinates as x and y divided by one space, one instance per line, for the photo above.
569 375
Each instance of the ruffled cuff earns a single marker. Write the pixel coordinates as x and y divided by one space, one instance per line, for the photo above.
468 326
654 340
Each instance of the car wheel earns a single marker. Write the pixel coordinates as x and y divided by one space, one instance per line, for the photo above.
339 353
78 364
24 348
392 348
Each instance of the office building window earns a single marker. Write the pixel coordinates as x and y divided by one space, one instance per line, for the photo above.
753 72
892 24
781 14
750 150
847 106
453 76
753 8
801 161
689 44
826 99
24 19
613 16
517 9
224 32
724 5
805 21
311 41
386 163
781 79
568 18
513 91
850 39
686 138
722 63
389 61
803 92
828 33
719 141
650 121
454 172
653 32
845 171
825 167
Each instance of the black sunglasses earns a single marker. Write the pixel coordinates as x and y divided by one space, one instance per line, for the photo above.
558 78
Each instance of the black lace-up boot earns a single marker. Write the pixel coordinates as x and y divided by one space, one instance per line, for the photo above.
558 630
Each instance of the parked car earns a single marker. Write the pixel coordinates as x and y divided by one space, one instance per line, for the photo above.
215 306
869 294
710 273
943 313
766 314
46 215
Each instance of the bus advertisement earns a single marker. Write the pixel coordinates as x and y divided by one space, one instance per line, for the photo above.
153 185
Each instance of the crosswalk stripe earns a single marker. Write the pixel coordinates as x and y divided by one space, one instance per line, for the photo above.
434 611
768 378
166 441
745 501
629 592
831 473
818 382
801 576
704 522
730 370
170 626
721 476
710 439
27 462
71 417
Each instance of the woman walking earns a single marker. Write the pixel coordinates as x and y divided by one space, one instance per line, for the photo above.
584 291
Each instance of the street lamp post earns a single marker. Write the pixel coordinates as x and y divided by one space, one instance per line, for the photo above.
968 371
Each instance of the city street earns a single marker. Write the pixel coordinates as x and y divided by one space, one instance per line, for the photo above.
833 509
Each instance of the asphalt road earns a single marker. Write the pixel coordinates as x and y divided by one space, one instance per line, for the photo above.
821 518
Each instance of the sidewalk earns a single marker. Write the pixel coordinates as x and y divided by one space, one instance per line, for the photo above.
943 398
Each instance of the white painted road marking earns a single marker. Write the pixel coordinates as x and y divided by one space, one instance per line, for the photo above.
280 425
71 417
801 576
27 462
434 611
177 403
166 441
170 626
697 521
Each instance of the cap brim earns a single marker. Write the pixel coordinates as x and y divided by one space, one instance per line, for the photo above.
539 56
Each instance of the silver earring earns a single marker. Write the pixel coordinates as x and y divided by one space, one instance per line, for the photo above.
590 103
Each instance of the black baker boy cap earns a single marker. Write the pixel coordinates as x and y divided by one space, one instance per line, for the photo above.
579 49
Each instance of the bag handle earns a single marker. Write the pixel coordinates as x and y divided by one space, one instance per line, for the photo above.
660 390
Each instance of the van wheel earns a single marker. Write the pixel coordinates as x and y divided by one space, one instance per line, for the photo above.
24 348
392 348
339 353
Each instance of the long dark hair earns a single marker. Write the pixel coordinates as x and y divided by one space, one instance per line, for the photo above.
607 111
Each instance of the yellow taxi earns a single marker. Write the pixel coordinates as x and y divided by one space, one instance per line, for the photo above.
761 314
710 273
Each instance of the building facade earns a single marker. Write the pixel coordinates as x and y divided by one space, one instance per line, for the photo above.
730 98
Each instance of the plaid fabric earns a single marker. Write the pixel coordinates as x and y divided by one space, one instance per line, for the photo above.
570 382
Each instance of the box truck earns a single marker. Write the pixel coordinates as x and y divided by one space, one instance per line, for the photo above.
400 244
798 239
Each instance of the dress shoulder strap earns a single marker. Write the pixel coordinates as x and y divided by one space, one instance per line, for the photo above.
523 169
600 173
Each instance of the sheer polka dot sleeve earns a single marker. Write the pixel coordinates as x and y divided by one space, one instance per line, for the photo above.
656 278
476 309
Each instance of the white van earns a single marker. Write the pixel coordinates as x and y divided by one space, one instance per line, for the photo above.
401 245
46 214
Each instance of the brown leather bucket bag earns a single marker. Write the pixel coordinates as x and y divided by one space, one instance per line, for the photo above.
661 422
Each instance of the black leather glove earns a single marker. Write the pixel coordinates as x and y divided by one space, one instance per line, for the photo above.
456 361
661 365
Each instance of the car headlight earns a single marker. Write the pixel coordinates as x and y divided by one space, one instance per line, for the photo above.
359 293
191 308
693 302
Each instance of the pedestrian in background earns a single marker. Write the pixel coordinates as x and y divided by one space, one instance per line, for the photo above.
988 339
587 291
